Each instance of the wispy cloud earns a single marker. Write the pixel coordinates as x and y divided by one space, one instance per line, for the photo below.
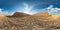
27 9
3 12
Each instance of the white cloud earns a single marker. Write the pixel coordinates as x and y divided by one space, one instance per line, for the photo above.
3 12
51 8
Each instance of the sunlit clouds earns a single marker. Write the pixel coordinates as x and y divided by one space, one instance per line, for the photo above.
27 9
50 9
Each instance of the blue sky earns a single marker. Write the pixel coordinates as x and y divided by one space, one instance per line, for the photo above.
29 6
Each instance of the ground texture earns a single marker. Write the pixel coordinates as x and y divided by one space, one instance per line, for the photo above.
29 23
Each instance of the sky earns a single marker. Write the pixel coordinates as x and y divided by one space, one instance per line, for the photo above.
29 6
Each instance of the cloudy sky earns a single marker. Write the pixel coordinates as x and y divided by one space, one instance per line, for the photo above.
29 6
